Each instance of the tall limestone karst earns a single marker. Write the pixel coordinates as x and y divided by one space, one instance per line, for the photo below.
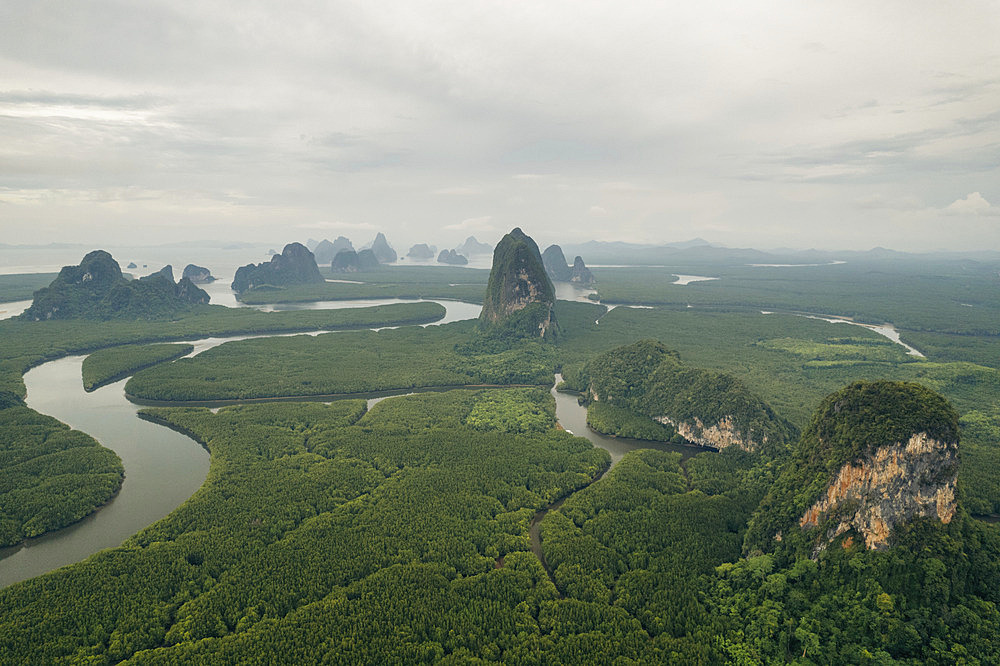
555 264
295 265
383 251
875 456
96 289
580 274
519 294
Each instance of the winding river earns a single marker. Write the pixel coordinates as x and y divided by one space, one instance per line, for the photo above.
163 468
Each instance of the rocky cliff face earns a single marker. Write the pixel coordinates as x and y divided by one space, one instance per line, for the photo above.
888 487
580 274
876 455
295 265
719 435
555 264
519 295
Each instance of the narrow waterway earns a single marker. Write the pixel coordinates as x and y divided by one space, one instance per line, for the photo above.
573 418
162 467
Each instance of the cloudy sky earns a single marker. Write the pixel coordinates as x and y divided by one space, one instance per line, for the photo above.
843 124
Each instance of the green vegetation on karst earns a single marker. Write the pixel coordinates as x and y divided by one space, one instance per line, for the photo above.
96 290
649 379
109 365
52 476
849 423
21 286
401 535
519 295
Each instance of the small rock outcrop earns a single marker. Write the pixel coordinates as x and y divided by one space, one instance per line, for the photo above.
97 289
197 274
421 251
472 247
555 264
167 273
876 456
519 294
295 265
452 257
580 274
383 251
131 264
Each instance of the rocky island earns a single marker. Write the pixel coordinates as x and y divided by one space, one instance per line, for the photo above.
349 261
452 257
519 294
197 274
421 252
295 265
97 289
383 251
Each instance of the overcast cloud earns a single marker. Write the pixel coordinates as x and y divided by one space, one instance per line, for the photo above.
801 124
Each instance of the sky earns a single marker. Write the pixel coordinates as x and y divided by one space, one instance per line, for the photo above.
837 125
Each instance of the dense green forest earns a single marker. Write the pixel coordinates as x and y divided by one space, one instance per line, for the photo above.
403 534
336 363
109 365
52 475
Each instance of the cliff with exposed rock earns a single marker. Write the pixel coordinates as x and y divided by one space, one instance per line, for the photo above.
877 455
707 408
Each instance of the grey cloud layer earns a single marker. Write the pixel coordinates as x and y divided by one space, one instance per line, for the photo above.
748 123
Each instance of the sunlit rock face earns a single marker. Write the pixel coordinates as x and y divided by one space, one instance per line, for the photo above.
718 435
519 293
876 456
888 487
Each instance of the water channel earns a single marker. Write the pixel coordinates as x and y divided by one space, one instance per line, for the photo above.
163 468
